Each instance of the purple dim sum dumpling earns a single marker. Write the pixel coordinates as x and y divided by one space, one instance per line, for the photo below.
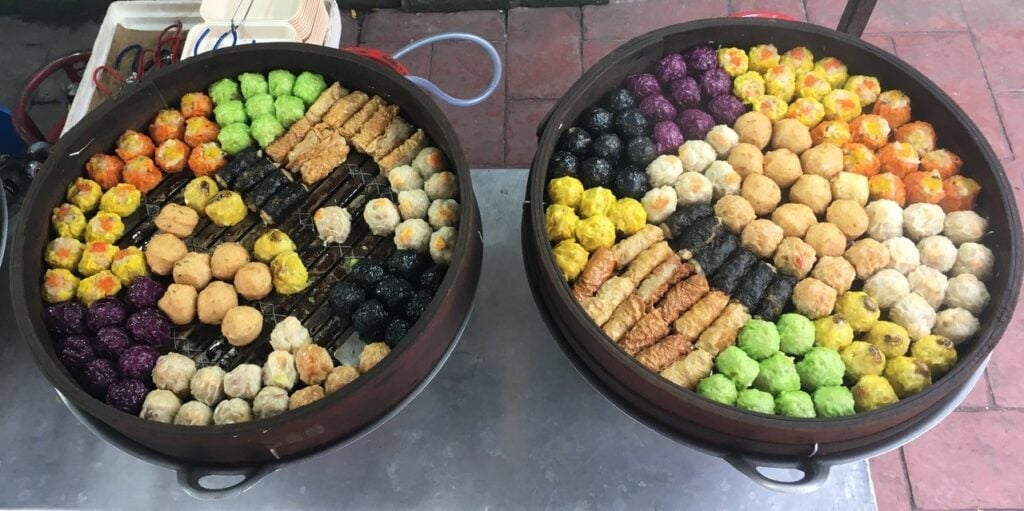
657 108
671 67
110 342
695 124
700 59
138 362
643 85
127 395
106 312
667 137
726 109
66 318
97 377
685 92
715 82
143 292
75 352
149 327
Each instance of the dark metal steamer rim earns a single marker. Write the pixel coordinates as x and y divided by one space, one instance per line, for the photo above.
332 418
684 410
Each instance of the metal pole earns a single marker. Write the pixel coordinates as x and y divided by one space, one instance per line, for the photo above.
855 16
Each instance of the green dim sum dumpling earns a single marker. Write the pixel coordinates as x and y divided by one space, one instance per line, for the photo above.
224 90
230 112
234 138
265 129
252 84
258 105
289 109
308 87
281 82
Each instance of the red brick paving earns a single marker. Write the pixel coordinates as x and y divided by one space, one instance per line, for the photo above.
969 47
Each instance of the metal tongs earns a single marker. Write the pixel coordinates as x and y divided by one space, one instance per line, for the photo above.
233 32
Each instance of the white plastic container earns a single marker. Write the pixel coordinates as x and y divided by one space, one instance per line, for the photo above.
262 10
249 33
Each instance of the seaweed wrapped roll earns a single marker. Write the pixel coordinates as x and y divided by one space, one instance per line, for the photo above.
227 175
731 274
252 175
683 217
261 193
776 297
287 198
711 256
700 233
754 285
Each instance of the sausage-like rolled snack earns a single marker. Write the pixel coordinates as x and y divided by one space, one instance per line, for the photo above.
647 261
628 249
776 297
710 257
624 317
722 333
690 370
396 132
702 232
729 276
331 153
682 296
356 122
611 294
307 148
754 284
261 193
664 352
685 216
600 268
646 332
694 321
227 174
374 127
282 203
666 275
278 150
316 111
343 109
404 153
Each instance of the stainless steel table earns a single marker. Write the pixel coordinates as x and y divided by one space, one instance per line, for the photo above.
507 423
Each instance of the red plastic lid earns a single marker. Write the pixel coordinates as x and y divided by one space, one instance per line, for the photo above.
763 14
379 57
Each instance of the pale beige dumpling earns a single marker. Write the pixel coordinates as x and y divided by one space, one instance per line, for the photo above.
849 217
795 219
194 413
404 178
207 385
241 325
813 298
162 251
913 313
443 185
177 220
696 155
825 160
253 281
193 270
826 239
413 204
812 191
974 258
850 186
922 220
661 202
243 381
794 257
967 292
723 139
735 213
372 355
443 213
937 252
269 402
692 188
754 128
746 159
340 377
174 372
792 135
836 272
928 283
762 193
313 363
964 226
226 259
903 254
724 180
179 304
289 335
160 406
381 216
783 167
885 219
887 287
305 396
413 234
232 411
956 324
442 245
215 301
279 370
428 162
664 170
867 256
762 237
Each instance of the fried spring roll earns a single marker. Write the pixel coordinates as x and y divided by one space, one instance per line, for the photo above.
356 122
647 261
374 127
711 256
682 296
397 131
722 333
702 232
776 297
666 275
600 268
662 353
628 249
703 313
404 153
690 370
624 317
279 148
646 332
323 103
729 276
345 108
683 217
611 294
307 148
329 156
754 284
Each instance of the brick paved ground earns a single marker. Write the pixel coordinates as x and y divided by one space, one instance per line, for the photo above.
970 47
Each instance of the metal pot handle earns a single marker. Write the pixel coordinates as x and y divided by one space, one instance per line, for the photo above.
815 475
456 36
190 479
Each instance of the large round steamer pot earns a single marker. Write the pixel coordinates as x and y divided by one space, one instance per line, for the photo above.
312 427
772 440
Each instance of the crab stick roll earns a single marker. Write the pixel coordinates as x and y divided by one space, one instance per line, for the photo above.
690 370
599 269
695 320
722 333
659 355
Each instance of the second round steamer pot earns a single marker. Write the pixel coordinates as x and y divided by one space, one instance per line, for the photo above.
724 429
